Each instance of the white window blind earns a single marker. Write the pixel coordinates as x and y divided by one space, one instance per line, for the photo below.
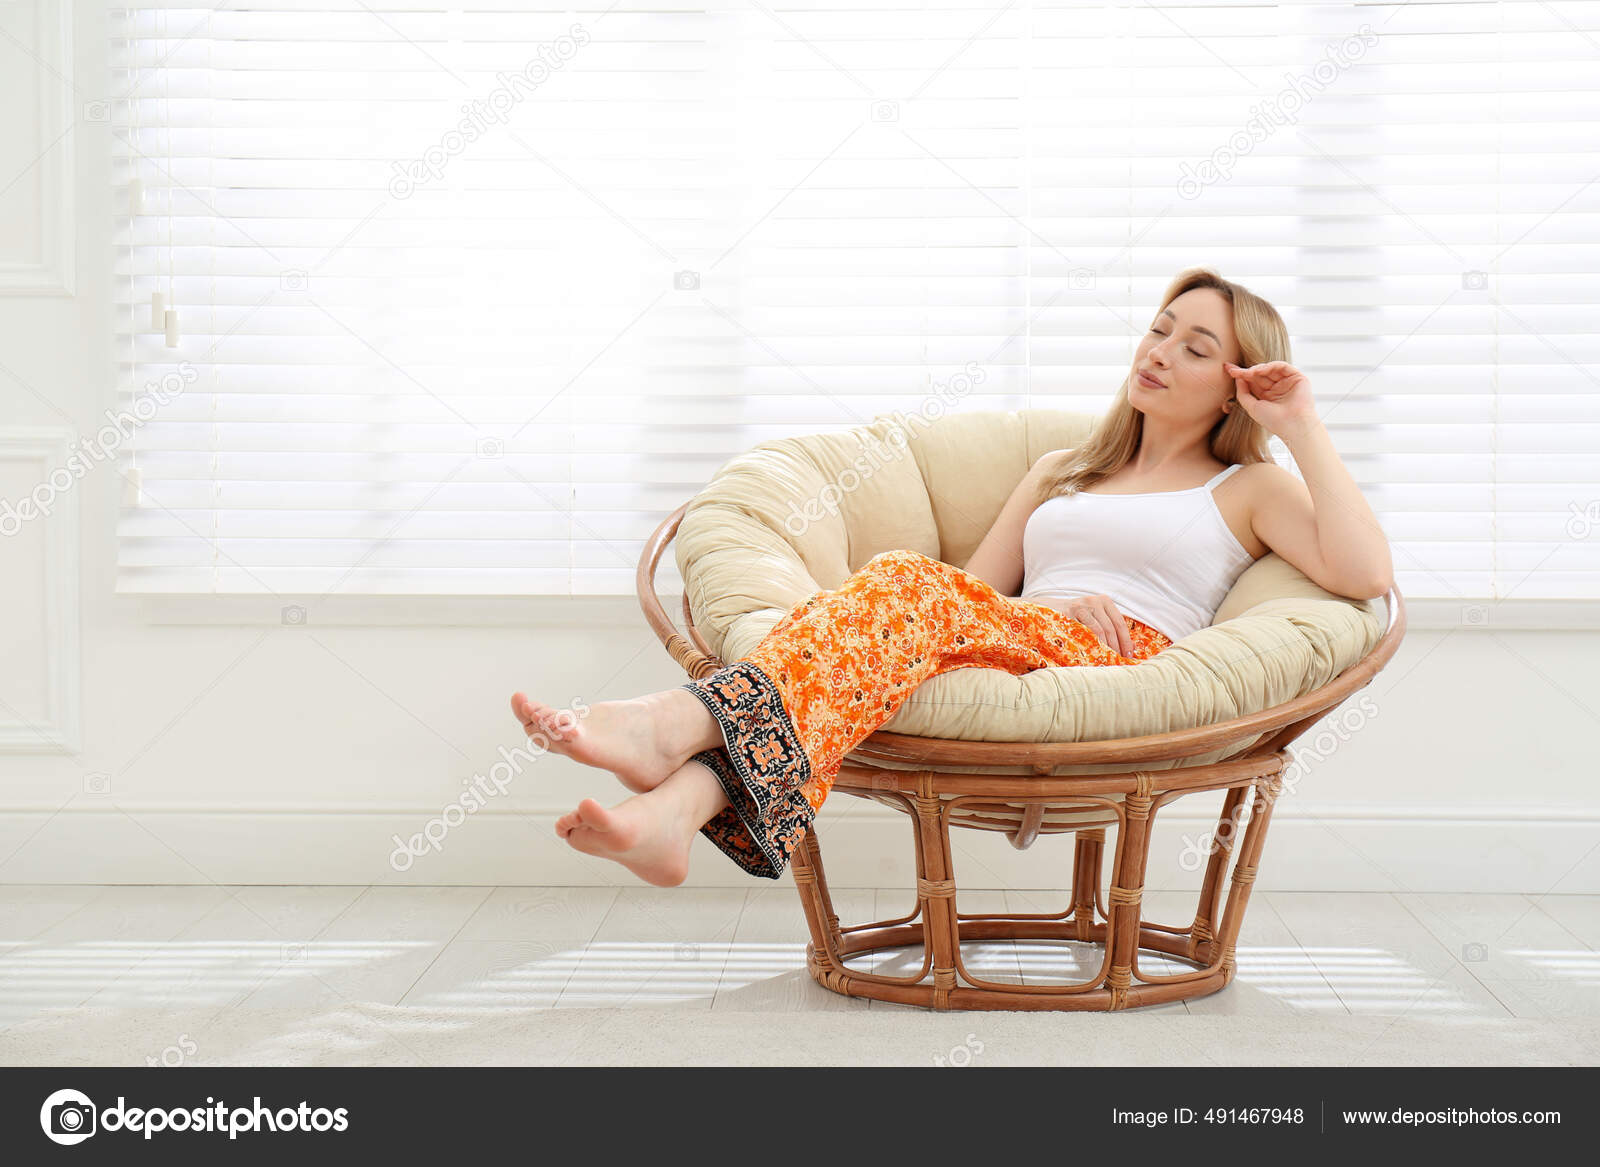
472 297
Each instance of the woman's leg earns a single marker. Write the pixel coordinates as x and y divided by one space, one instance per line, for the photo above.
839 665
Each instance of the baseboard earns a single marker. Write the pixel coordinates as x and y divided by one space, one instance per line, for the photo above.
1336 848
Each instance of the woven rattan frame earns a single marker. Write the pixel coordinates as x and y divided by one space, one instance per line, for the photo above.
942 795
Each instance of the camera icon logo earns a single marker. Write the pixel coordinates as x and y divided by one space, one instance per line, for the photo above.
491 448
97 783
686 952
1475 614
294 280
886 111
686 281
1080 279
293 952
1475 950
1474 281
68 1117
294 614
97 111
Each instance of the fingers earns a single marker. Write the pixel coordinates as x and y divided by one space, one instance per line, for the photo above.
1103 622
1264 378
1102 630
1102 619
1256 384
1119 641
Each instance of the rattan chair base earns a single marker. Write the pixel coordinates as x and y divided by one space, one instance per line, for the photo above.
1090 996
1112 921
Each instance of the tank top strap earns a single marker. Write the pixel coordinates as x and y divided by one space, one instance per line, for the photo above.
1221 474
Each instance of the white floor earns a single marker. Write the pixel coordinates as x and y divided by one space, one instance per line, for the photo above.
197 975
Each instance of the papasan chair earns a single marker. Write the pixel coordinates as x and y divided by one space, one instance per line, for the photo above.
1056 750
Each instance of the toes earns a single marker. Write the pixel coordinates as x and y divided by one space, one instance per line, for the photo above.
527 711
537 717
591 814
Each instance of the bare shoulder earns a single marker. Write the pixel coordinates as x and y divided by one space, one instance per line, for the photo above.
1053 460
1271 500
1261 481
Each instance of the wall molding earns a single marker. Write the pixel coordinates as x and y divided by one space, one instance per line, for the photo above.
1530 850
55 273
49 449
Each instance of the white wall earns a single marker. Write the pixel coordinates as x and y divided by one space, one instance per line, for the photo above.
238 749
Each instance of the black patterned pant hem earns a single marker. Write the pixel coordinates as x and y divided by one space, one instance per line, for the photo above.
761 767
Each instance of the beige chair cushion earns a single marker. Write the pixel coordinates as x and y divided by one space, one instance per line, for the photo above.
749 549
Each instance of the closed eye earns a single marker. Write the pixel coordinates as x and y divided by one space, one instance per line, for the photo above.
1190 347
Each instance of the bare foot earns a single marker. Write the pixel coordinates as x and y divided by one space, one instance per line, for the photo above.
641 740
642 835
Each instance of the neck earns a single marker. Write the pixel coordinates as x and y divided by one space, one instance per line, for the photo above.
1164 446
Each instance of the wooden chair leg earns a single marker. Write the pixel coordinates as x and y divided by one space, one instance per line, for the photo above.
936 896
1087 856
813 851
1123 902
1203 931
1244 871
827 941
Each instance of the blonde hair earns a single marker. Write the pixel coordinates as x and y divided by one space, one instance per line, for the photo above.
1237 437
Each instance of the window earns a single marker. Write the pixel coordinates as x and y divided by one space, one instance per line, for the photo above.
468 299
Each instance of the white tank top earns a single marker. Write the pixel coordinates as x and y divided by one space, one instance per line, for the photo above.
1166 558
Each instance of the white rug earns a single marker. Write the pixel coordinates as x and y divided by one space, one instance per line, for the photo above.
359 1035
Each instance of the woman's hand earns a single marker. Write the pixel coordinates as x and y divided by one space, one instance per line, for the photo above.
1276 394
1099 615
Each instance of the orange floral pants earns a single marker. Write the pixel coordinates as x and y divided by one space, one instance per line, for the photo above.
839 665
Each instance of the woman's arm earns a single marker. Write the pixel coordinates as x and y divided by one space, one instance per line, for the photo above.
998 559
1323 525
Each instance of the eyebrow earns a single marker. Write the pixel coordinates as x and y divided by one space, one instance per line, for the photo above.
1193 327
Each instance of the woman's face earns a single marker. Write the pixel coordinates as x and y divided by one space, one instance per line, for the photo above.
1184 349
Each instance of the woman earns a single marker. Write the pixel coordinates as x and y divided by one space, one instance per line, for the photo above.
747 755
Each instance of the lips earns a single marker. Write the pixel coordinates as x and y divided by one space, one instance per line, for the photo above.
1151 382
